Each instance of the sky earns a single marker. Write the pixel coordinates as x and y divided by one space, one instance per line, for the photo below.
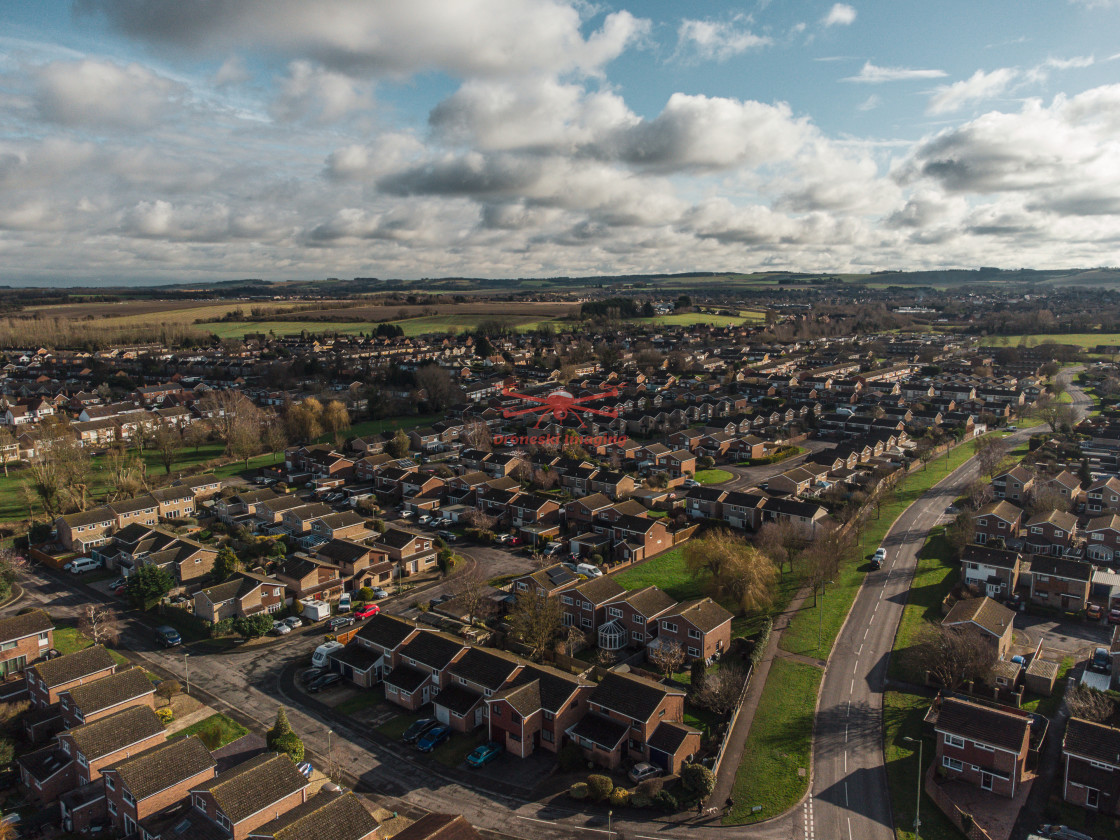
159 141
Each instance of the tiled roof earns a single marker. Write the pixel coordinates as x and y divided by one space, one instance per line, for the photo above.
600 590
1045 564
118 730
386 631
245 789
458 699
406 678
1093 741
28 624
439 827
74 666
111 690
983 723
649 601
432 649
164 765
603 731
631 696
990 556
988 614
325 816
669 736
488 668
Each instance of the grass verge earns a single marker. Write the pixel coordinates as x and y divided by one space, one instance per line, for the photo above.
368 699
215 731
933 578
779 745
68 640
713 476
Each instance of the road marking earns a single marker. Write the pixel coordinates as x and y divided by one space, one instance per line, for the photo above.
846 804
858 652
855 667
845 733
579 827
845 762
853 688
849 708
849 828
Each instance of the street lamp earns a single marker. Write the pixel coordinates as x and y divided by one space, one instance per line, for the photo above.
330 759
610 834
820 613
187 670
918 799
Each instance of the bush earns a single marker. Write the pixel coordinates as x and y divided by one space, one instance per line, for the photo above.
639 800
290 744
252 626
620 797
706 462
698 779
365 593
165 715
578 790
666 802
221 628
570 758
599 787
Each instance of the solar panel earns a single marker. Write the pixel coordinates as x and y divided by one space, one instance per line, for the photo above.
559 575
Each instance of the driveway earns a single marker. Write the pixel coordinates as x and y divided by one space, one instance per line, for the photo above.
1076 638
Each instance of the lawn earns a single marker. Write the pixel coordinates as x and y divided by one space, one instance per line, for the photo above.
68 640
215 731
933 578
778 746
667 571
468 323
454 751
713 476
902 717
689 319
1087 340
1048 706
801 635
360 702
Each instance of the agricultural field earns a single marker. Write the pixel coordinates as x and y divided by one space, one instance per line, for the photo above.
688 319
169 311
1086 340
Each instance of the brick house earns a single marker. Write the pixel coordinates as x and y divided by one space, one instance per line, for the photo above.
477 674
47 680
84 704
702 628
997 521
536 709
251 793
1051 532
532 509
361 564
139 787
1103 537
584 606
412 553
1060 582
305 577
342 811
1067 484
584 511
23 639
439 827
793 482
639 537
247 593
385 635
297 521
624 719
1091 766
1103 496
743 510
991 619
545 582
705 502
83 531
982 746
1014 484
994 571
631 620
419 673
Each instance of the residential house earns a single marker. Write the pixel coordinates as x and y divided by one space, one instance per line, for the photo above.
361 564
47 680
702 629
1103 538
247 593
536 709
439 827
1066 484
84 704
1103 496
994 571
983 746
1060 582
139 787
1051 532
584 605
419 673
412 553
545 582
991 619
705 502
305 577
342 811
1091 766
1014 484
997 522
477 674
251 793
385 635
23 639
632 618
638 537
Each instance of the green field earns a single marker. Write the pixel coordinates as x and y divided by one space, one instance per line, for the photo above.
1087 340
902 718
666 571
411 326
713 476
778 746
215 731
688 319
67 639
239 329
801 635
933 579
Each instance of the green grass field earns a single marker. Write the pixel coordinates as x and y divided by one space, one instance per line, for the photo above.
713 476
67 639
240 329
902 718
666 571
689 319
215 731
1087 340
933 578
778 746
801 635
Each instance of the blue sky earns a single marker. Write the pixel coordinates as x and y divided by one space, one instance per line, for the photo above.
183 140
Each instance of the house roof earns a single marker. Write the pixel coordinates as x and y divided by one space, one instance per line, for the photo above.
1094 741
28 624
1003 509
73 666
983 724
1061 567
540 687
118 730
328 815
649 601
164 765
669 736
111 690
1058 518
600 590
458 699
439 827
705 614
634 697
386 631
989 615
990 556
1100 523
433 650
600 730
488 668
248 787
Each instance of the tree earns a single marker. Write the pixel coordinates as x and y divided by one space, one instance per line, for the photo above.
469 588
669 657
475 518
6 439
953 656
168 443
195 435
1089 704
1057 415
697 673
335 419
574 640
303 420
11 564
535 619
1085 474
783 541
281 738
252 626
477 435
990 452
440 391
224 408
226 564
721 689
961 532
100 623
245 437
737 569
698 779
398 447
168 689
828 549
1044 498
147 585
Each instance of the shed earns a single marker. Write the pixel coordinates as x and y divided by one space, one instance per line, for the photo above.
1041 675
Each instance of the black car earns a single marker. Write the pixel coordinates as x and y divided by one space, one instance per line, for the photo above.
418 728
310 674
340 621
325 681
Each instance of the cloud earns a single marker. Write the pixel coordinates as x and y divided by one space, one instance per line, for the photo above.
714 40
102 94
1041 72
311 92
232 72
979 85
870 103
467 37
873 74
841 14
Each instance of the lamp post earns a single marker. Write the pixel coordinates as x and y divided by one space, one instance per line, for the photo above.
610 834
820 613
187 671
330 757
918 799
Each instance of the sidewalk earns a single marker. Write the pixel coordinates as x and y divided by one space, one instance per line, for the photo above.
737 738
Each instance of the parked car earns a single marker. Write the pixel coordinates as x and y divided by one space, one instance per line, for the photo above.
1062 832
691 482
344 602
433 737
515 541
279 628
424 519
305 769
1114 615
293 621
502 539
81 565
379 593
484 754
1094 612
1101 661
447 536
588 569
367 611
643 770
310 674
326 681
168 636
439 600
338 622
418 728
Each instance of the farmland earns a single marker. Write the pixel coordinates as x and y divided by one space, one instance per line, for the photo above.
1086 340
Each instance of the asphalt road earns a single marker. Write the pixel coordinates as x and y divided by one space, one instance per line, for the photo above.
751 476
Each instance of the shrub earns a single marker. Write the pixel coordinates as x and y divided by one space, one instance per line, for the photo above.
698 779
290 744
666 801
620 797
570 758
599 787
639 800
365 593
165 715
168 689
578 790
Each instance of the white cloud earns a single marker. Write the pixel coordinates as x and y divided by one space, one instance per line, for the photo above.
1041 72
232 72
716 40
870 103
103 94
873 74
979 85
311 92
841 14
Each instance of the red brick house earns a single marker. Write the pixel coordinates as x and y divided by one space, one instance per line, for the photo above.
547 582
639 537
248 795
305 578
705 502
1014 484
361 564
422 663
982 746
23 639
385 635
989 618
1103 537
1091 766
1050 533
584 511
476 675
84 704
702 628
439 827
536 709
994 571
46 680
997 521
342 811
139 787
411 552
1103 496
1060 582
585 606
632 619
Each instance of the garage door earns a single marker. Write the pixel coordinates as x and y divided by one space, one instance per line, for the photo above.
659 758
442 714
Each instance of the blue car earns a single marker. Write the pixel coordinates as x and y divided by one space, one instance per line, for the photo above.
433 738
484 754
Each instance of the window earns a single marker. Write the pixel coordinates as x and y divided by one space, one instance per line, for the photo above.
546 735
82 760
638 636
983 747
614 612
495 711
126 797
112 807
222 820
693 633
549 715
1036 529
668 627
585 621
954 741
694 653
109 783
567 599
1092 798
952 763
982 522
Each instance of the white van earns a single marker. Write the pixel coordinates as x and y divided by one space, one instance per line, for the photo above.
82 564
322 653
344 602
589 570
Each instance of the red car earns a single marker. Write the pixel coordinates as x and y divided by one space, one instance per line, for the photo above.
368 610
1114 616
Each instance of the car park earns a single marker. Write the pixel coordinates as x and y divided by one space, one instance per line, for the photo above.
418 728
367 611
433 737
338 622
324 682
484 754
643 770
167 636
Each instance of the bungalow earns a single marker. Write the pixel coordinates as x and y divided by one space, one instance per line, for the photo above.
983 746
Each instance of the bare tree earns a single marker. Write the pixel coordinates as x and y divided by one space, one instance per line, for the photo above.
961 532
1089 704
574 640
720 689
475 518
990 452
168 443
979 493
1044 498
100 623
1057 415
477 435
469 587
6 439
195 434
224 408
783 541
953 656
668 656
245 434
440 391
829 548
535 620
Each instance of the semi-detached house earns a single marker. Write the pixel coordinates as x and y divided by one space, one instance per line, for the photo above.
982 746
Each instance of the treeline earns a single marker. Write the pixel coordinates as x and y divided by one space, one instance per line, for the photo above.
616 308
65 333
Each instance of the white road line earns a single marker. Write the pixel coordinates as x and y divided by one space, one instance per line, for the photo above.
858 652
845 733
849 708
849 828
845 761
865 634
855 667
853 688
846 804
